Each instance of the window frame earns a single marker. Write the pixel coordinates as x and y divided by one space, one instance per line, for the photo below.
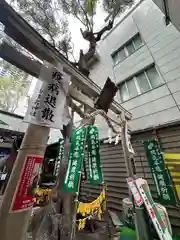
134 78
118 52
138 35
126 50
125 84
115 54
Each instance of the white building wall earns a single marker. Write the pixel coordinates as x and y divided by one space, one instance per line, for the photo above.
173 9
161 47
163 43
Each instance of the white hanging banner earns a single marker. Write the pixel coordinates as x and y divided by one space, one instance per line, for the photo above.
48 104
135 193
151 208
128 142
110 135
117 139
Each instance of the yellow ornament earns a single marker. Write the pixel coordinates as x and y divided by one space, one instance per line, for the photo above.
104 205
99 213
82 224
79 226
103 194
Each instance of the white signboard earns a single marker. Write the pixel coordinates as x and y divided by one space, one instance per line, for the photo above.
134 191
3 176
155 216
48 104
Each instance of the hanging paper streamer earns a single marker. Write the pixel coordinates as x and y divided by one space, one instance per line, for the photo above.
60 157
117 139
75 160
82 224
95 174
89 208
110 135
92 210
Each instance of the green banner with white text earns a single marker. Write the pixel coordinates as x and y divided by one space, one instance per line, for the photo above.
95 173
75 158
59 157
160 173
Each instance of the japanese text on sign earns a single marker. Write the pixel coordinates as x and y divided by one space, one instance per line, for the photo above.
49 100
160 174
23 198
149 203
59 158
75 161
95 173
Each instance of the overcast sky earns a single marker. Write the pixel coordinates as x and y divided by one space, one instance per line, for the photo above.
75 25
77 39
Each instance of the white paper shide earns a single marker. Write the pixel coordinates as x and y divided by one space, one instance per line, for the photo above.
48 104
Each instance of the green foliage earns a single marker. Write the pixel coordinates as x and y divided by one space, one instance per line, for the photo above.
114 7
13 85
47 18
90 6
84 10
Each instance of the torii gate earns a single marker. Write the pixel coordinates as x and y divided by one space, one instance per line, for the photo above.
35 140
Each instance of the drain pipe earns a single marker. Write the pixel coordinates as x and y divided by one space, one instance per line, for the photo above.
166 12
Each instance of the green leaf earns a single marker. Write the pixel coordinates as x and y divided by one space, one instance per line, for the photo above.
115 7
90 6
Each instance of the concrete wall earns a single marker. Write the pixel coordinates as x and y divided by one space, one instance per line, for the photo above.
173 9
161 47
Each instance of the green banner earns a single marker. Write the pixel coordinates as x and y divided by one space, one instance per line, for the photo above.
59 157
160 173
95 174
75 158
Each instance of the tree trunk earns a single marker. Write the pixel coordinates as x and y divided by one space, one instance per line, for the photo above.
64 204
92 38
65 199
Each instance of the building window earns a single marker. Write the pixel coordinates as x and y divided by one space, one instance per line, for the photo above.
128 49
119 56
140 83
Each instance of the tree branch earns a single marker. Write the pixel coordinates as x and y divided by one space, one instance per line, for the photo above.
103 30
88 25
47 17
92 20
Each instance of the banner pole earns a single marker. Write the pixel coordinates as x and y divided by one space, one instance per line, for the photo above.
142 227
73 232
